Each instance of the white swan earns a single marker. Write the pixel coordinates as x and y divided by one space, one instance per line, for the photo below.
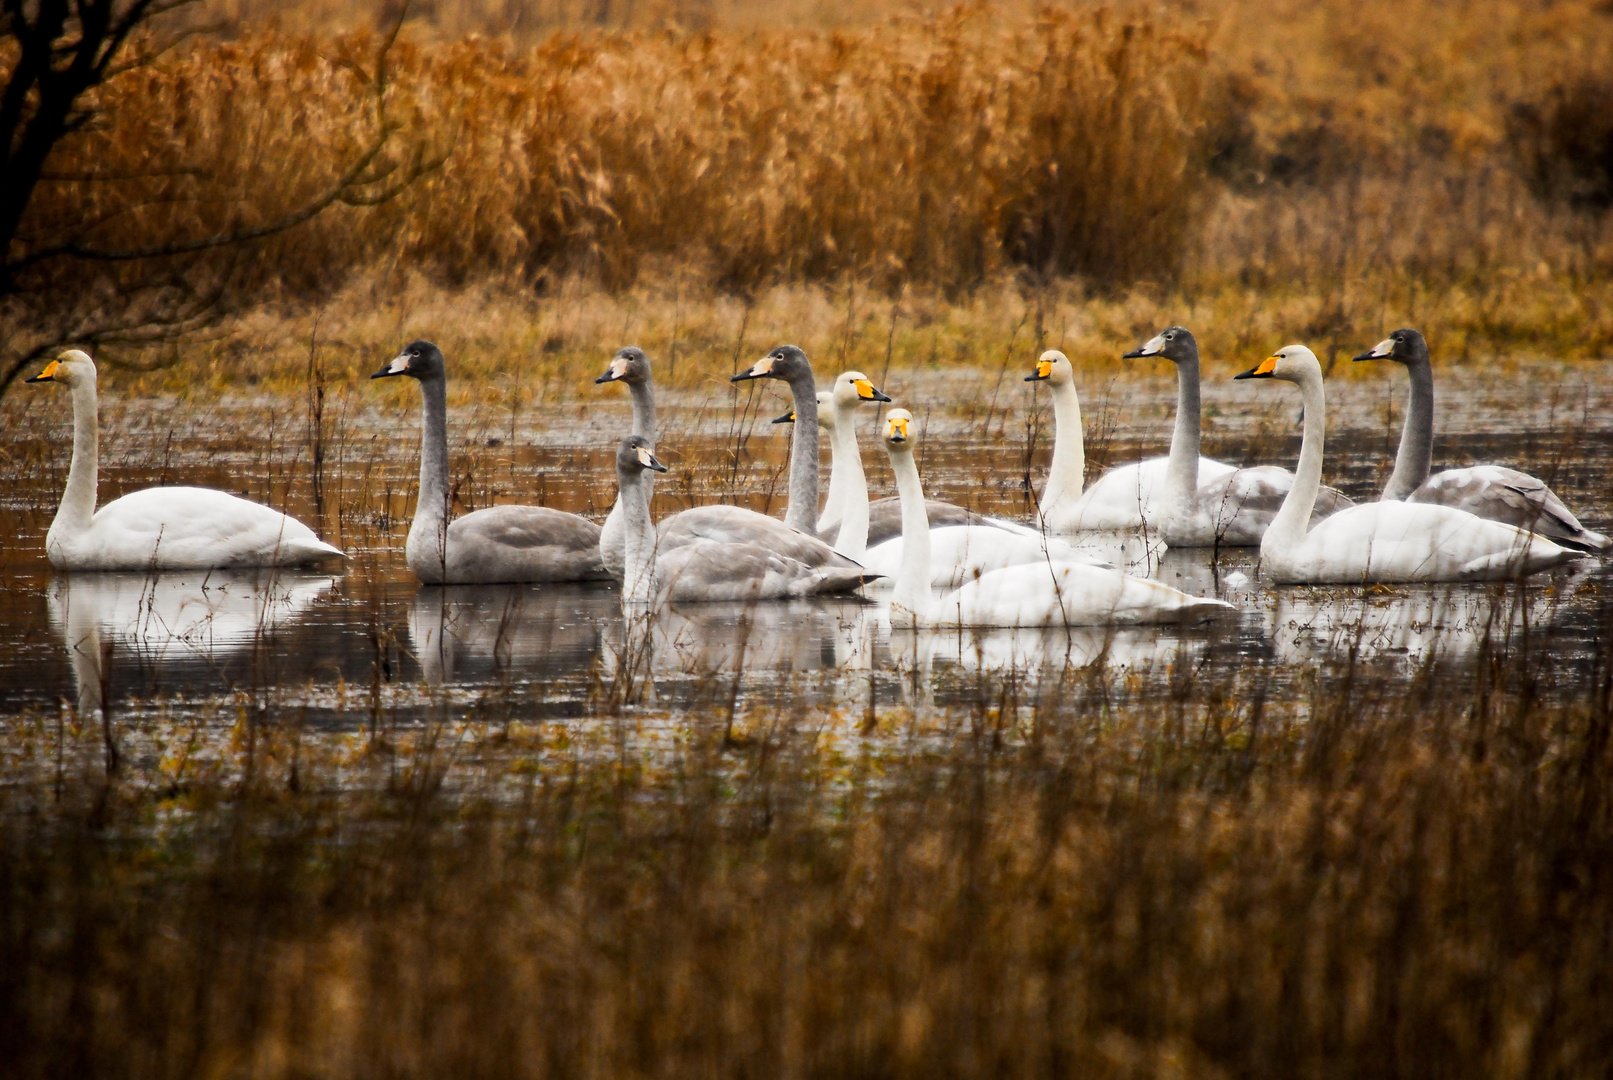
162 528
632 367
1384 541
1125 497
1050 593
844 514
699 570
1489 491
1232 509
498 544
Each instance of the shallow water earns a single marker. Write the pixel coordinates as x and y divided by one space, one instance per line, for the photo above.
370 644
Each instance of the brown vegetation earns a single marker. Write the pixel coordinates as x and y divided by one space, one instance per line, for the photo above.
1241 155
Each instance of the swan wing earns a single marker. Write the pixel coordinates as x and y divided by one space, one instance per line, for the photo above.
1407 542
960 553
189 528
1497 493
1069 594
707 570
734 525
885 517
522 543
1235 508
1128 496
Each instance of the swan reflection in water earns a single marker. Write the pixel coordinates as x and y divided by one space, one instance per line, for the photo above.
175 624
494 633
1045 649
482 633
1414 623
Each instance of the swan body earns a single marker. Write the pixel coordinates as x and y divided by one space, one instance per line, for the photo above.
707 569
1046 593
498 544
631 367
1385 541
1125 497
1231 508
163 528
1493 492
962 553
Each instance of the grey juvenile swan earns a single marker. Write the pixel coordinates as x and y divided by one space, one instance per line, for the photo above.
1230 509
795 537
1487 491
498 544
632 367
703 569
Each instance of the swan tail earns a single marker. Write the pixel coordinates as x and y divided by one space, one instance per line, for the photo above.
1586 540
834 579
1203 609
296 551
1540 555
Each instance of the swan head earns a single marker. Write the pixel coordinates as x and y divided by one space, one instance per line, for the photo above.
785 362
72 367
852 388
633 456
826 415
418 360
1405 346
1292 363
898 429
1053 367
629 365
1176 344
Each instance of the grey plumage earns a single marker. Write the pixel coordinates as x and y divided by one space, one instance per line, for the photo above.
498 544
1494 492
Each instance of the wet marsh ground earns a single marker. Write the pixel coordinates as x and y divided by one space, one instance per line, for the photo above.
346 825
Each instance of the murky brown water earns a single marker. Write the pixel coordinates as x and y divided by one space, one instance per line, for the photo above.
342 649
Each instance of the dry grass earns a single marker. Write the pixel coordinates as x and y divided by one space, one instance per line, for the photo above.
1266 170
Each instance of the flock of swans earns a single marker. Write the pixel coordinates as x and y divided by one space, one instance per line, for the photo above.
932 563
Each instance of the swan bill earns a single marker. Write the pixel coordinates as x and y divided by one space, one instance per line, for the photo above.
616 371
865 391
787 418
1263 370
647 459
1383 350
49 374
759 370
398 365
896 425
1044 369
1154 346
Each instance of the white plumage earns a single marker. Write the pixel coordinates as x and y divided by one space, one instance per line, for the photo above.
165 528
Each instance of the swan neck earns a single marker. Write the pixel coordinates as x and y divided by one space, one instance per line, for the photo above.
638 532
802 513
1416 453
427 542
1066 475
78 499
1182 469
643 410
834 506
912 589
852 541
1293 520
